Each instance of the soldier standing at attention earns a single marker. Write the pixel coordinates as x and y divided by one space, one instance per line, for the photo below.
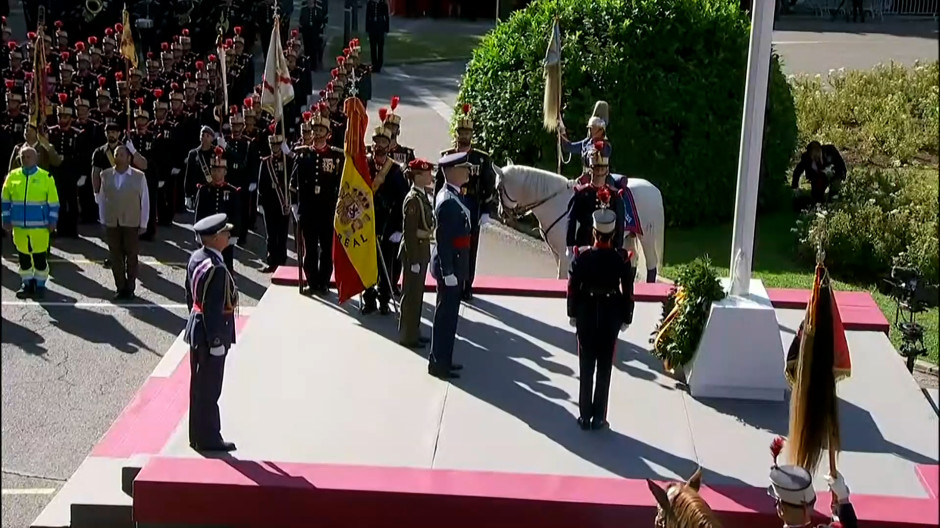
315 180
600 303
313 19
377 27
237 147
212 298
275 201
389 187
415 252
450 262
479 191
197 165
64 139
219 196
398 152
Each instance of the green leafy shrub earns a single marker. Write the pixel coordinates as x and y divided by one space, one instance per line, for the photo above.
883 218
673 72
685 313
889 115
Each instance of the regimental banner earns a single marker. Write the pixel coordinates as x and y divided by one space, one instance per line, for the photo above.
355 256
278 89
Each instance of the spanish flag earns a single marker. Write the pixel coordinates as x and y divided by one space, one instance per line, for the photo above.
355 258
128 49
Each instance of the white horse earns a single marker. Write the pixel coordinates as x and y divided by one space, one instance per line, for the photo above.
524 190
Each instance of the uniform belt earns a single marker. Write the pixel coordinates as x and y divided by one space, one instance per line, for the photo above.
462 242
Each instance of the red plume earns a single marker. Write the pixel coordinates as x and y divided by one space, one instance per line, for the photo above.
10 83
31 35
329 86
63 98
219 151
294 33
272 128
776 447
80 46
346 51
322 94
185 32
466 108
248 102
341 59
78 91
164 46
200 65
149 55
28 76
93 40
65 56
307 116
383 113
189 75
11 45
119 27
213 58
598 145
158 93
58 24
108 31
118 76
233 109
139 101
334 72
238 30
228 43
102 81
395 101
356 41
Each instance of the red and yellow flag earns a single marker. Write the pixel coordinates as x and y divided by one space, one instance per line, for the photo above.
128 49
355 258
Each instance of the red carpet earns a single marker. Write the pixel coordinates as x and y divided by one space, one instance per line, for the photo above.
857 309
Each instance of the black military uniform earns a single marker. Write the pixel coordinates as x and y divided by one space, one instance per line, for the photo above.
316 181
390 188
238 148
65 140
313 19
198 163
216 197
162 130
212 298
600 304
275 202
586 200
145 142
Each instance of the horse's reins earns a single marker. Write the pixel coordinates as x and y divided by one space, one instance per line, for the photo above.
518 211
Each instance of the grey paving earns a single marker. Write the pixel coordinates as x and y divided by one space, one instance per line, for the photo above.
289 398
934 396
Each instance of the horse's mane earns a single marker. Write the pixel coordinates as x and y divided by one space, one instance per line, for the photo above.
691 511
541 182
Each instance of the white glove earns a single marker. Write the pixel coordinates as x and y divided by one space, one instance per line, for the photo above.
189 203
97 197
252 187
81 181
838 487
450 280
623 327
395 238
130 146
160 184
174 172
416 268
484 219
221 141
296 210
572 322
233 241
217 351
569 252
285 149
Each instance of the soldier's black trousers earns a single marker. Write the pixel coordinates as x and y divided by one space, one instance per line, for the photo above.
596 347
377 47
166 206
86 203
313 46
276 224
228 258
318 249
205 387
247 201
68 206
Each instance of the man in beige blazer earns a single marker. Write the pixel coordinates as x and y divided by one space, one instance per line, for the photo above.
124 209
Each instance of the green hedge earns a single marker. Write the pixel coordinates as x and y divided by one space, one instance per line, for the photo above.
884 218
673 72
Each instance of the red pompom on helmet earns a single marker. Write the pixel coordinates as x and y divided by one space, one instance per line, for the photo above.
383 113
65 56
149 55
200 65
157 93
272 128
238 30
139 101
11 45
213 58
63 98
80 46
78 91
395 101
346 51
28 76
9 84
165 46
185 32
118 76
102 80
294 33
329 86
31 35
219 151
248 102
93 40
175 87
334 72
599 145
119 27
108 32
307 116
466 108
233 109
58 24
322 94
228 43
341 60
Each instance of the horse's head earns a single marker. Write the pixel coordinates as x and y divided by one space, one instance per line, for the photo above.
507 204
679 505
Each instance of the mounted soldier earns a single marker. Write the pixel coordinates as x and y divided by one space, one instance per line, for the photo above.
597 131
598 194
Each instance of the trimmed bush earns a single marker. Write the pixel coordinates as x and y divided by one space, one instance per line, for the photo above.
673 72
887 116
883 218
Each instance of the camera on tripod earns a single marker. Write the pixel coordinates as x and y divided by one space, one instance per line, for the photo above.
911 297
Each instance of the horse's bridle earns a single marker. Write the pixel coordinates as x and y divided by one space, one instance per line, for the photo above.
518 211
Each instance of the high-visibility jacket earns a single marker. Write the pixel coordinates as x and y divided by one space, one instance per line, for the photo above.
30 201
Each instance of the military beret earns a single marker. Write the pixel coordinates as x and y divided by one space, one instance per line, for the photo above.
211 225
420 164
605 221
457 159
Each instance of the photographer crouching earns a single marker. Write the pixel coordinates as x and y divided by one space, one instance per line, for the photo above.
824 169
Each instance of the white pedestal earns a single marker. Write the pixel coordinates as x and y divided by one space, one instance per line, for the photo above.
741 354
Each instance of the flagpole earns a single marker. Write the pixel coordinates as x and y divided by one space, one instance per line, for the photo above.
280 104
560 72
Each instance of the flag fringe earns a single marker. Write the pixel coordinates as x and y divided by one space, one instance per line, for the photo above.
551 106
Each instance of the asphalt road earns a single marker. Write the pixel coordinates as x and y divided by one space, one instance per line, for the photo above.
72 362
